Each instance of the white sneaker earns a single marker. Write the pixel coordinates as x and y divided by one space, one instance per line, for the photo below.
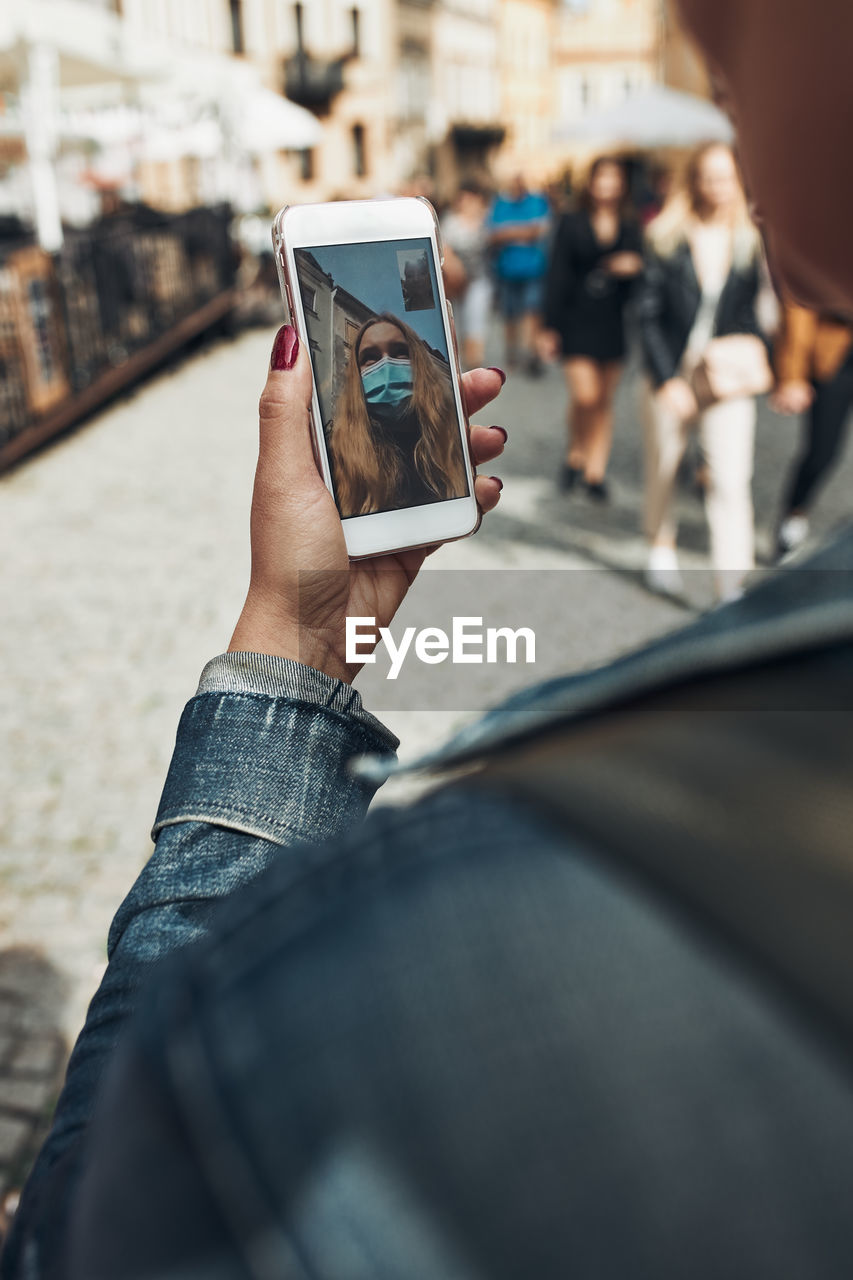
793 532
663 575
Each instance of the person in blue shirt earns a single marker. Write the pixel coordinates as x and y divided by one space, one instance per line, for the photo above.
518 226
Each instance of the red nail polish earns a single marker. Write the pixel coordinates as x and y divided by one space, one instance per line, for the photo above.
285 349
502 431
493 368
497 481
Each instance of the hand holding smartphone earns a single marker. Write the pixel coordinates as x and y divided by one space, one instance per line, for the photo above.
362 282
305 581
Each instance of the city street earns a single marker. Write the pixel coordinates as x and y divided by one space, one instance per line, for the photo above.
123 566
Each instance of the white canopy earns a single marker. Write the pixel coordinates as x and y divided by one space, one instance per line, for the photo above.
264 121
255 119
653 117
110 126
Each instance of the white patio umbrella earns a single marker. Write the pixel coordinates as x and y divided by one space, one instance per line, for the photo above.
202 138
653 117
112 126
263 121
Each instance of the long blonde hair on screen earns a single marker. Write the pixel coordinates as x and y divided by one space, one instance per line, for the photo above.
368 468
669 230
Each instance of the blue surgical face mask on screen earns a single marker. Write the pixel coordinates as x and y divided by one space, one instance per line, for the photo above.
389 381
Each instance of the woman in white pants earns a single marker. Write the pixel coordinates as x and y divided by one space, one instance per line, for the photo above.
703 280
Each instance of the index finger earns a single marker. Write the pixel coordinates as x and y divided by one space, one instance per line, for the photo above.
479 387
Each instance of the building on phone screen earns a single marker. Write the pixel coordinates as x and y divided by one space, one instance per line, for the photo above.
333 317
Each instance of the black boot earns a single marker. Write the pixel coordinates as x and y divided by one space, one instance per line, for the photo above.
597 490
569 477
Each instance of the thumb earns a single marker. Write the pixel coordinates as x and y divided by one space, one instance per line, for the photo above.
286 449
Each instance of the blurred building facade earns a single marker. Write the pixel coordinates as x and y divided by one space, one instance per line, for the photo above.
420 92
604 51
527 33
465 121
339 60
682 66
329 310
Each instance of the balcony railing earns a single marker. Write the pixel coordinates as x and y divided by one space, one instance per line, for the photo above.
313 82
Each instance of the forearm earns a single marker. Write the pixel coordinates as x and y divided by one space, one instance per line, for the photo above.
794 352
660 359
518 233
625 265
259 773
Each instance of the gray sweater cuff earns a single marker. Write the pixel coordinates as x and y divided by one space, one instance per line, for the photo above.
282 678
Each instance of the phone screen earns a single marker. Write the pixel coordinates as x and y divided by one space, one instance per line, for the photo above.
382 371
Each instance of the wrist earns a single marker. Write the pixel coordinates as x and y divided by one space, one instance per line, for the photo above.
265 630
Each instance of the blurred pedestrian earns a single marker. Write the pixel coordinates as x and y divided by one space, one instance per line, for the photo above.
701 343
814 366
518 225
596 256
464 231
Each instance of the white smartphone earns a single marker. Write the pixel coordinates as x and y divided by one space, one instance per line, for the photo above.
361 280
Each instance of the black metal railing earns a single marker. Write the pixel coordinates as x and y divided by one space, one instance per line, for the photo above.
313 82
115 290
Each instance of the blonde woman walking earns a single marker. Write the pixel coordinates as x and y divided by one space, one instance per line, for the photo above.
702 284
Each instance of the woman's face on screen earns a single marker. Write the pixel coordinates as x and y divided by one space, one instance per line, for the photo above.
380 340
385 367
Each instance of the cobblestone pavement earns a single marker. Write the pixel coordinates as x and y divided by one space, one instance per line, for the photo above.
123 562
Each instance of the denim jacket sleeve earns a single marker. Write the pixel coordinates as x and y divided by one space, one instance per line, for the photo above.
260 764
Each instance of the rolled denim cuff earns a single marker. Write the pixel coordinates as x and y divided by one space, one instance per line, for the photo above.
284 678
272 766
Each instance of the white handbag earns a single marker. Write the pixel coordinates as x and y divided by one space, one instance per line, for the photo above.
732 367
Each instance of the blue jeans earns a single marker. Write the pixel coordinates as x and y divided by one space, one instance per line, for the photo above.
517 298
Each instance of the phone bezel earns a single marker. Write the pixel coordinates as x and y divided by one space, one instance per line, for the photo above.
359 222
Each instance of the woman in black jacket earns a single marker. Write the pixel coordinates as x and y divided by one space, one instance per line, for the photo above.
702 281
595 256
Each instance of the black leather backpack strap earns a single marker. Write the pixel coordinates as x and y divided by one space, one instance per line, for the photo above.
732 796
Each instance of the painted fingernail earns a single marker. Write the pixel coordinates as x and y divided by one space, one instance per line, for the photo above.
502 431
285 349
493 368
497 481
